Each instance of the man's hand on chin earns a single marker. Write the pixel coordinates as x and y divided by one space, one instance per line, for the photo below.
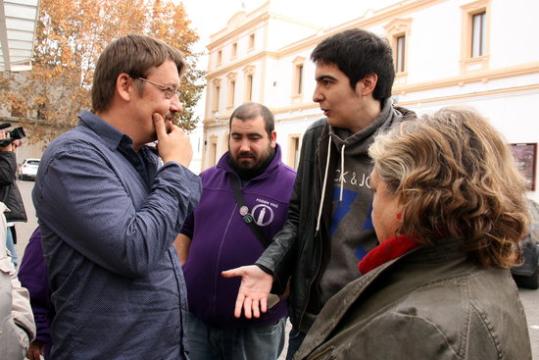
174 143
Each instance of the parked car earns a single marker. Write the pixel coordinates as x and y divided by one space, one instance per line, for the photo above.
526 274
28 169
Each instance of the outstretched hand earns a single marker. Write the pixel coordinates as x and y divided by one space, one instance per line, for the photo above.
253 292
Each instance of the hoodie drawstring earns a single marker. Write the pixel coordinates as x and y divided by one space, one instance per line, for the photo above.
323 187
342 173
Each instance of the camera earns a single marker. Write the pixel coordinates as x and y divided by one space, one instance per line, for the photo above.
15 134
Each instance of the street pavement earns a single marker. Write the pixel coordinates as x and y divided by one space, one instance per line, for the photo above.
529 298
24 230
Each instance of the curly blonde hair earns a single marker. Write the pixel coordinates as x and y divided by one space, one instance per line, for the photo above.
455 178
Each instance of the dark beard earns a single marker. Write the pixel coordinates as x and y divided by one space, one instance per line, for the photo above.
246 174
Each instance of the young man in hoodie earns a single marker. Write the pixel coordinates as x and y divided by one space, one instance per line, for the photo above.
329 227
222 233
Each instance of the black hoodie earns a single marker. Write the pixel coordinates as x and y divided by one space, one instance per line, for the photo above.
351 234
302 248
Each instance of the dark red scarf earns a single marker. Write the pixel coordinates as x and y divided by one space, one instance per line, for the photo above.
388 250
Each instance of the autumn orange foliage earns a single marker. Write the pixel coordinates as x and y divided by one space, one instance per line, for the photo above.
70 36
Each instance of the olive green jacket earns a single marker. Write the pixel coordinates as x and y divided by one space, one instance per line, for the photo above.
431 303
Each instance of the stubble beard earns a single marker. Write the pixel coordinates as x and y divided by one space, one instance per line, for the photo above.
251 165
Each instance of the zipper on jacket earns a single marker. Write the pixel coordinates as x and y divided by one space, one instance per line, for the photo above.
218 260
308 292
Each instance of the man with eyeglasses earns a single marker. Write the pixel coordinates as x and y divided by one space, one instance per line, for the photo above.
109 213
169 90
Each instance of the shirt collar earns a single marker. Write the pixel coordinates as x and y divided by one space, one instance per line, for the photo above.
112 137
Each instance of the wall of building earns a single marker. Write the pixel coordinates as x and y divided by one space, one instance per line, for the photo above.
503 83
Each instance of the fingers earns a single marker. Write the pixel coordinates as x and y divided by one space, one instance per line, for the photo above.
231 273
251 307
169 126
239 305
33 354
247 305
264 304
251 299
255 308
159 124
174 144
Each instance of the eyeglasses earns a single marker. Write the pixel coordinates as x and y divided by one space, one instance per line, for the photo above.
170 91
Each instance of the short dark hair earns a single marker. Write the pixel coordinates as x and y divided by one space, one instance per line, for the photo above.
358 53
133 55
251 110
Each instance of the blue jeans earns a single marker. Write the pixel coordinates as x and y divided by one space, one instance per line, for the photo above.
206 342
295 339
11 247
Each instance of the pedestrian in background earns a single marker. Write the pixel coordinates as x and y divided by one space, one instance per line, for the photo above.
10 194
109 212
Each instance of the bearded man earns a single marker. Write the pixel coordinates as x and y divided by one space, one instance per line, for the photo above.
244 203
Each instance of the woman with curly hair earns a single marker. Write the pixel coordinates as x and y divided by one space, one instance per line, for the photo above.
449 210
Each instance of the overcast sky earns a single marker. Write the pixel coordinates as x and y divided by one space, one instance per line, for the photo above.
209 16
